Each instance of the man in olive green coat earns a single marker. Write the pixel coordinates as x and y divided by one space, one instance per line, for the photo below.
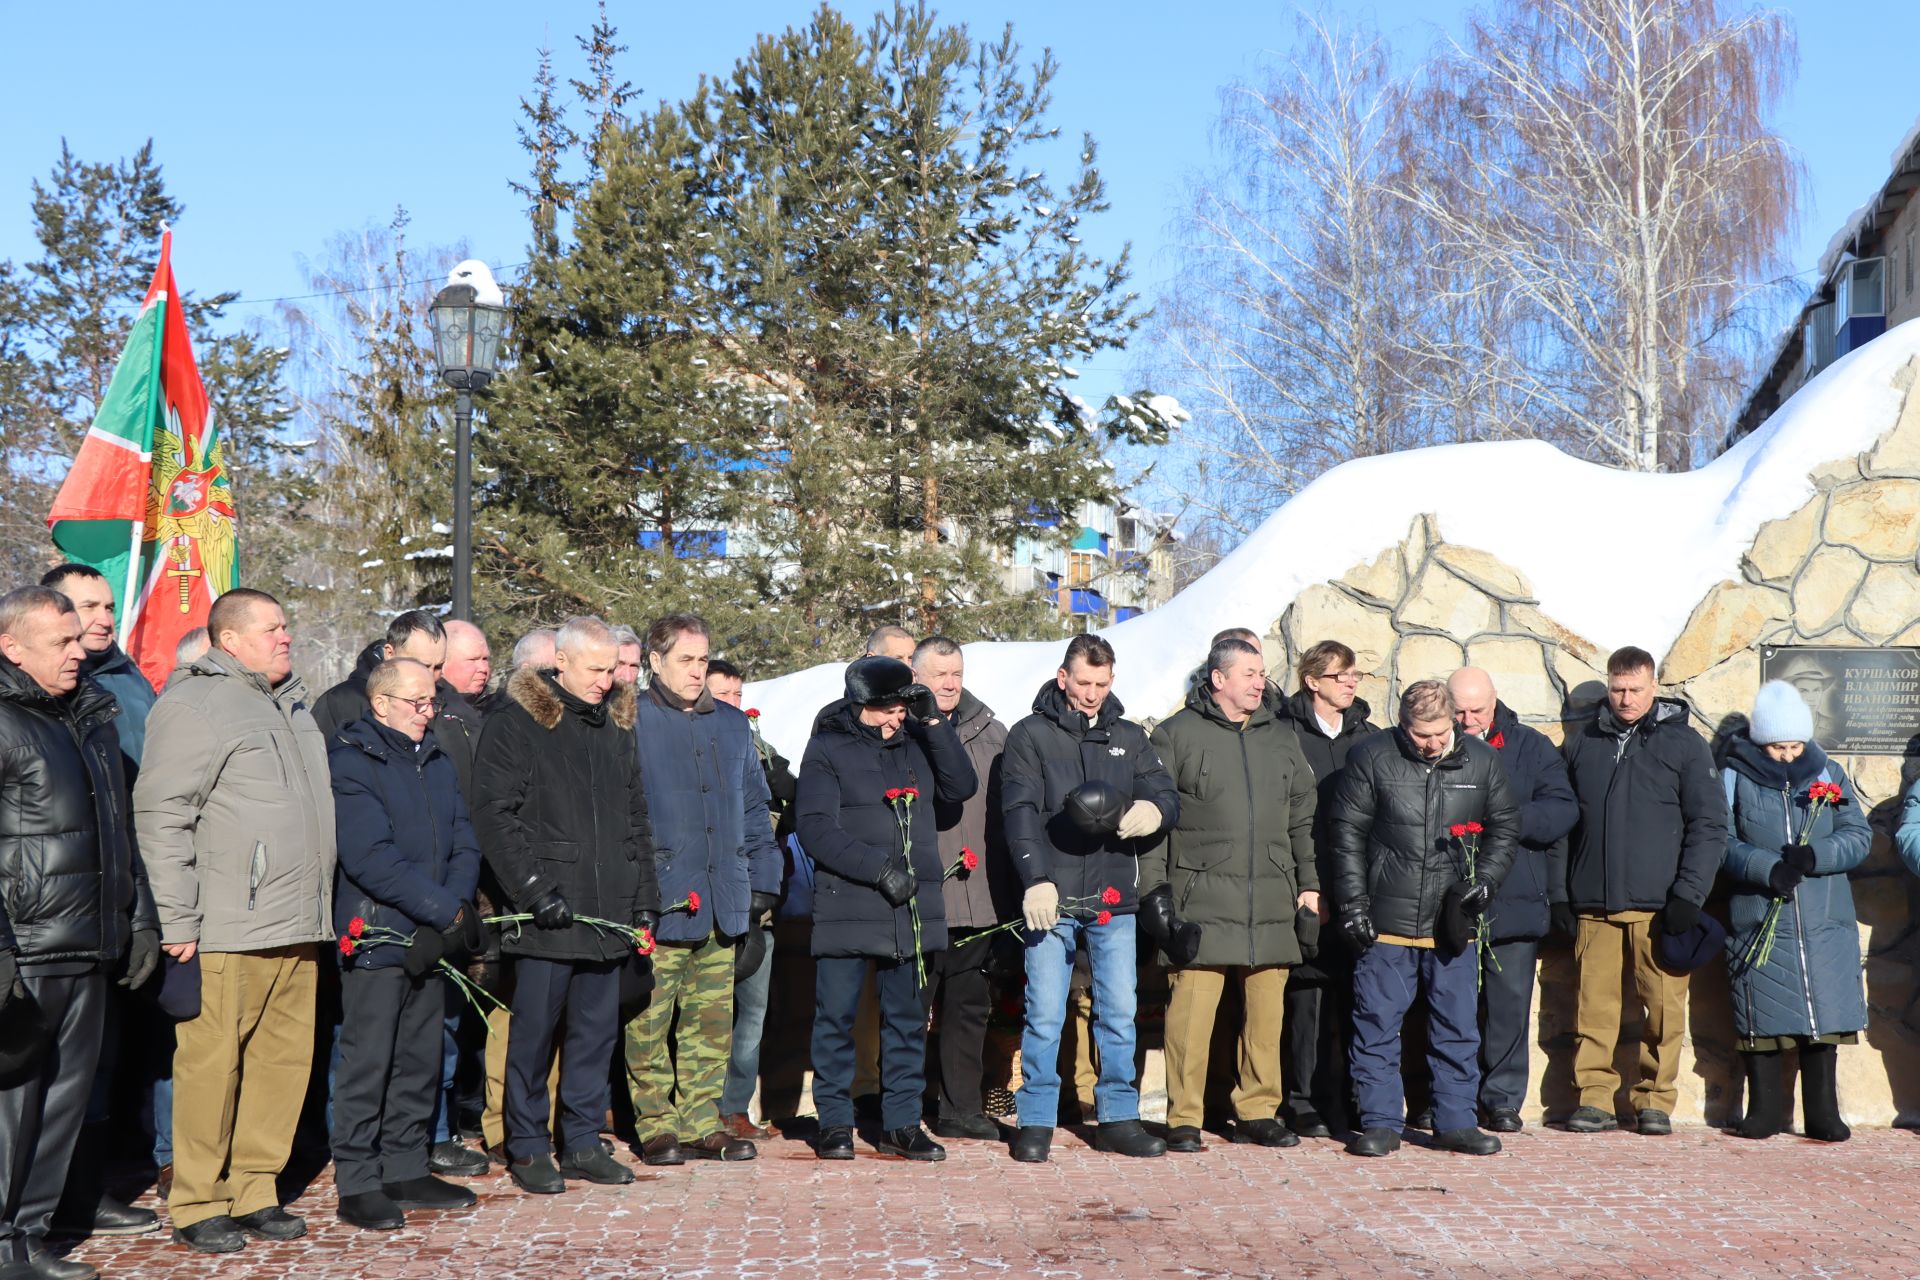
1236 868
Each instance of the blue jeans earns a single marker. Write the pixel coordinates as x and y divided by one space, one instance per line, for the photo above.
1110 947
1385 981
749 1021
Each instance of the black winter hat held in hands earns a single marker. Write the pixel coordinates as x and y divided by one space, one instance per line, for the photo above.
875 681
1095 807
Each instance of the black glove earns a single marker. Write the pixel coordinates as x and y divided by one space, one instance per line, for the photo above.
1183 948
1156 914
1359 931
922 706
1679 915
552 911
648 920
1474 901
1783 880
461 940
895 885
143 957
1799 857
1565 923
1306 931
9 974
750 954
761 905
428 946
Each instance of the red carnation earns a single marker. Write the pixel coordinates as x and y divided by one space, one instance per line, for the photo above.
1105 917
356 926
893 793
1497 741
1474 828
693 902
1110 896
911 793
346 946
753 713
1457 830
969 859
645 943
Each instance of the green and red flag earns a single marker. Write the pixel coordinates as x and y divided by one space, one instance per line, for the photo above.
147 501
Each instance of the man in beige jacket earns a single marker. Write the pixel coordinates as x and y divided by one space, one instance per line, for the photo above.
234 817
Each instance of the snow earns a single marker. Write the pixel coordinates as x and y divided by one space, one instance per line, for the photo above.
480 276
1907 141
1618 557
1836 247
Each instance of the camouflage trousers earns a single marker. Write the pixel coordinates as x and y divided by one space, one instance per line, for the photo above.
677 1049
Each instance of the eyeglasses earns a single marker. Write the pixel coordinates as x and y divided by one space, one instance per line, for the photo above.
1349 676
421 706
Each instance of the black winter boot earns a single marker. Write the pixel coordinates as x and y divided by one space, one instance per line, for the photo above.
85 1208
1766 1095
1819 1101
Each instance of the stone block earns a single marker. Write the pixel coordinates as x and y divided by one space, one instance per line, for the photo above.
1528 618
1725 689
1829 475
1898 453
1442 601
1878 518
1425 657
1888 602
1486 571
1825 585
1384 580
1730 619
1781 546
1326 613
1519 670
1585 683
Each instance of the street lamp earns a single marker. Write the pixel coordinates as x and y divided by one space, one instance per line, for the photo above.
469 316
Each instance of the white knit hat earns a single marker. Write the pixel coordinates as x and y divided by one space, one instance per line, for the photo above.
1780 714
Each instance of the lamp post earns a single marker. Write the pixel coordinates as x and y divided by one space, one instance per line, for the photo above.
468 317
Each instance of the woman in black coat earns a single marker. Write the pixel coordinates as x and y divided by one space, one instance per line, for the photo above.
877 897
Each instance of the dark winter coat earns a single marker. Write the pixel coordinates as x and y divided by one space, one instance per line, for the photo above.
852 832
707 806
71 889
1242 852
1810 985
1653 816
983 897
408 854
1538 877
456 725
1051 752
114 671
1327 756
563 807
1393 855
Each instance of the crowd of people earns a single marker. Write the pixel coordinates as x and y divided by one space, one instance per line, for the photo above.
235 903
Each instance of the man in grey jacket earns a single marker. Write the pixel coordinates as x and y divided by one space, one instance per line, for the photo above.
974 848
234 817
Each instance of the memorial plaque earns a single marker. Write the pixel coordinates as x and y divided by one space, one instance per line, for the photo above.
1865 701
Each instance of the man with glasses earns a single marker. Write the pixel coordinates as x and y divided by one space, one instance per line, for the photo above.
1328 718
409 863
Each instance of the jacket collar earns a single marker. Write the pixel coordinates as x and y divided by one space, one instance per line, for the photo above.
1750 759
85 705
1201 702
665 697
111 658
1664 711
1299 707
1051 702
1455 757
382 743
547 702
218 662
972 717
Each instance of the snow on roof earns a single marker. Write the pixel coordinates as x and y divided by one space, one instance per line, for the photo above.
1907 141
1619 557
1837 247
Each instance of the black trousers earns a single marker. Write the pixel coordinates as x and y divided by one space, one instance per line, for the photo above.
1315 1033
386 1078
903 1038
40 1118
960 984
1506 1009
588 995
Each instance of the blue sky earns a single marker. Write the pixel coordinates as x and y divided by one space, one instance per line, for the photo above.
279 125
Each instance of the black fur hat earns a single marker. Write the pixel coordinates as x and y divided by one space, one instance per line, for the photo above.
875 681
1095 807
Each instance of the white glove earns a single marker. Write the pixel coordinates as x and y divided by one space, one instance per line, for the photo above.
1142 818
1041 907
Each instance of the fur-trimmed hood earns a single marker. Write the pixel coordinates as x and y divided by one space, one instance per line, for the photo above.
536 691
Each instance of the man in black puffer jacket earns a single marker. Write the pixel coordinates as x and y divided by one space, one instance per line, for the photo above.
1076 735
1411 874
1329 719
1652 834
1520 914
563 824
73 900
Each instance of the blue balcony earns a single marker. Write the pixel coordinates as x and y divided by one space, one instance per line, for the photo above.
1085 600
1123 612
689 544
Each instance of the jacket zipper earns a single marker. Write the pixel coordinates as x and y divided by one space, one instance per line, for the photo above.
1799 928
1253 865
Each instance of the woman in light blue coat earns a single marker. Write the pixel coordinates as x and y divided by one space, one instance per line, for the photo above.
1804 990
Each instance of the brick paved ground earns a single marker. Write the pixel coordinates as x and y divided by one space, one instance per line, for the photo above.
1698 1204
